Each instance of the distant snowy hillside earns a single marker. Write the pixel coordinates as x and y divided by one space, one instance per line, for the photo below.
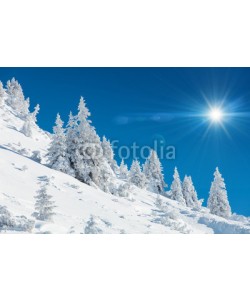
82 208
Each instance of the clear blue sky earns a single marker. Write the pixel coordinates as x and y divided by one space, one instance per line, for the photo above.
143 104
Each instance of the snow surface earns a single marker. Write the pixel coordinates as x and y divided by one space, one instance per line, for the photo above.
76 202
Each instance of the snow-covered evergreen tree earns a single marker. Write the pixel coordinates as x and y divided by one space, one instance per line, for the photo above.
15 98
108 154
136 176
1 94
57 153
85 150
88 147
152 169
44 206
15 92
189 193
92 226
176 189
27 126
75 142
218 201
123 171
6 220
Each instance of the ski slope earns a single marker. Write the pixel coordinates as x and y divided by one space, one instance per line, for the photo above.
76 202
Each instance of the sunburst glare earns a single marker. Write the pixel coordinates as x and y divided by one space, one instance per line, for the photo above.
216 115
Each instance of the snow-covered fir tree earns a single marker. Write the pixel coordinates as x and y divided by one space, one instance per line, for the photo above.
85 150
189 193
76 139
123 171
27 126
29 119
57 154
44 207
15 98
1 94
152 169
108 154
176 188
15 92
6 220
218 201
136 176
92 226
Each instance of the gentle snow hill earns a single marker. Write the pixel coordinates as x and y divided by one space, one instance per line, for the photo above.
21 176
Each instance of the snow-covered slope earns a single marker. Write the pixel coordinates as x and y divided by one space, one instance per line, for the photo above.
76 202
11 137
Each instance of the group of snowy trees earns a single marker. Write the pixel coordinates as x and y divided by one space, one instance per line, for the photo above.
186 194
77 150
149 176
13 96
14 223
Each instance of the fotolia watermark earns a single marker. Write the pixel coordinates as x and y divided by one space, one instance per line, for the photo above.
142 152
134 151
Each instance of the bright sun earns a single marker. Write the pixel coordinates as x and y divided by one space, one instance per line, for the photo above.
216 115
